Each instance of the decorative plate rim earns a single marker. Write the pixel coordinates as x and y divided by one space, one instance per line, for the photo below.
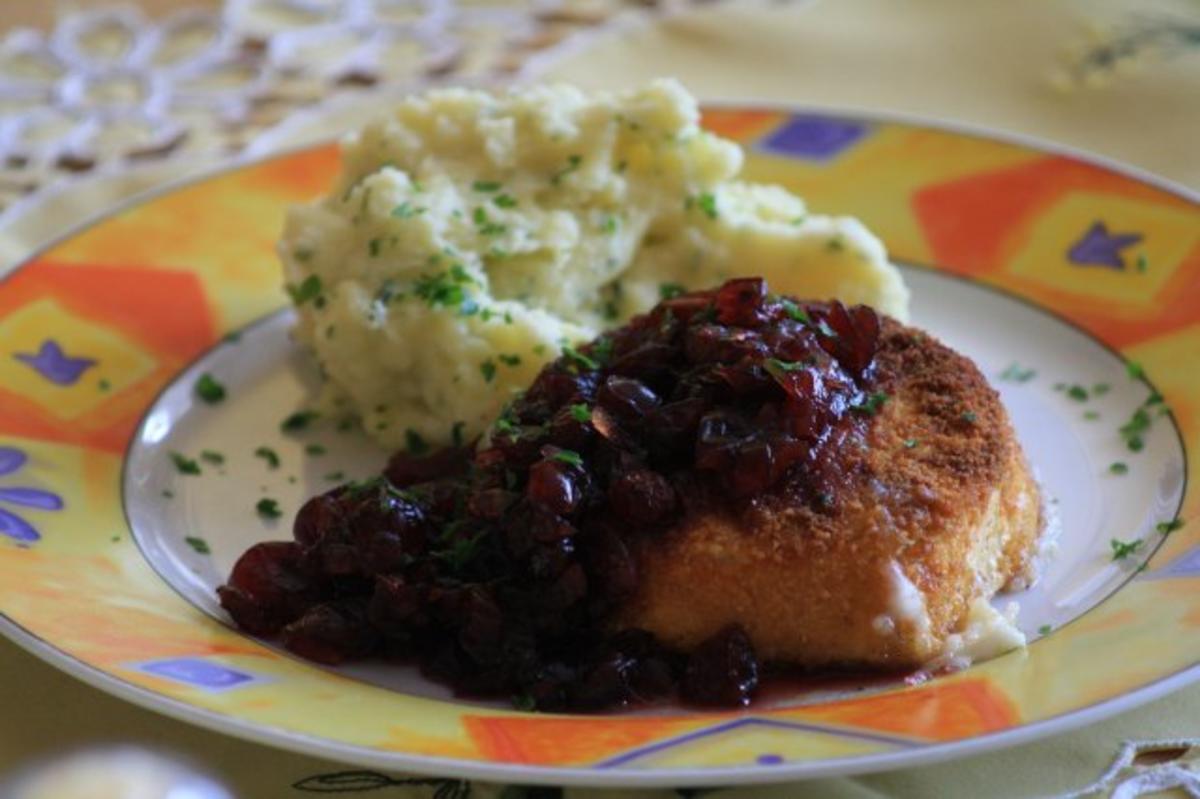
925 754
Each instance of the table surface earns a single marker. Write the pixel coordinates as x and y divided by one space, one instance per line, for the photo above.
856 53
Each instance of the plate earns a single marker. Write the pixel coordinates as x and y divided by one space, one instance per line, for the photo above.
1072 284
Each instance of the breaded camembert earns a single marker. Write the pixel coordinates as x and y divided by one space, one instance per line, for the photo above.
934 510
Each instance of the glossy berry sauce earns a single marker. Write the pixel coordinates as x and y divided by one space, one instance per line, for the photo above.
501 567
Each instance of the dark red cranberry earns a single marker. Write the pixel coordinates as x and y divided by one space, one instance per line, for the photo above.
754 468
397 606
610 563
555 485
560 383
740 302
627 398
331 633
673 426
851 337
722 671
387 528
321 517
548 559
571 428
268 587
490 503
706 344
480 634
642 497
570 587
649 361
687 306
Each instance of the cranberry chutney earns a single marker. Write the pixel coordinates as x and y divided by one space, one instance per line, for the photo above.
502 567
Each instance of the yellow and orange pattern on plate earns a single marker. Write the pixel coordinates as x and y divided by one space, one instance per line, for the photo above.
92 329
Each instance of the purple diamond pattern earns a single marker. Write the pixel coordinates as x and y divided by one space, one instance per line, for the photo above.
55 365
814 138
769 759
1098 247
198 673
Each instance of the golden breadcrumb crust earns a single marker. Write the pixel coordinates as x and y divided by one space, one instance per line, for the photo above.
936 489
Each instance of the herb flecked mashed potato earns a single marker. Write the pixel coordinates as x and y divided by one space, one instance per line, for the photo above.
471 236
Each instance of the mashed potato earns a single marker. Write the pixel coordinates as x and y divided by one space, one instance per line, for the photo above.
471 235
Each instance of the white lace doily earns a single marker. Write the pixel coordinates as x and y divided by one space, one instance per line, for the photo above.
108 88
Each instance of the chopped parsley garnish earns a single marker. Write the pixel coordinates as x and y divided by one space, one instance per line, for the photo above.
509 360
309 289
209 390
486 226
579 358
835 244
1123 549
414 443
580 412
1100 389
373 247
871 405
1134 430
1118 467
1091 416
799 220
335 477
198 545
488 370
213 457
602 348
707 203
573 162
456 433
969 417
794 311
909 443
298 421
1078 393
1166 528
1044 629
1134 370
184 464
103 384
505 201
461 551
609 225
303 256
444 288
667 291
486 185
269 455
1017 373
568 456
268 508
314 449
506 426
1142 263
776 367
406 210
